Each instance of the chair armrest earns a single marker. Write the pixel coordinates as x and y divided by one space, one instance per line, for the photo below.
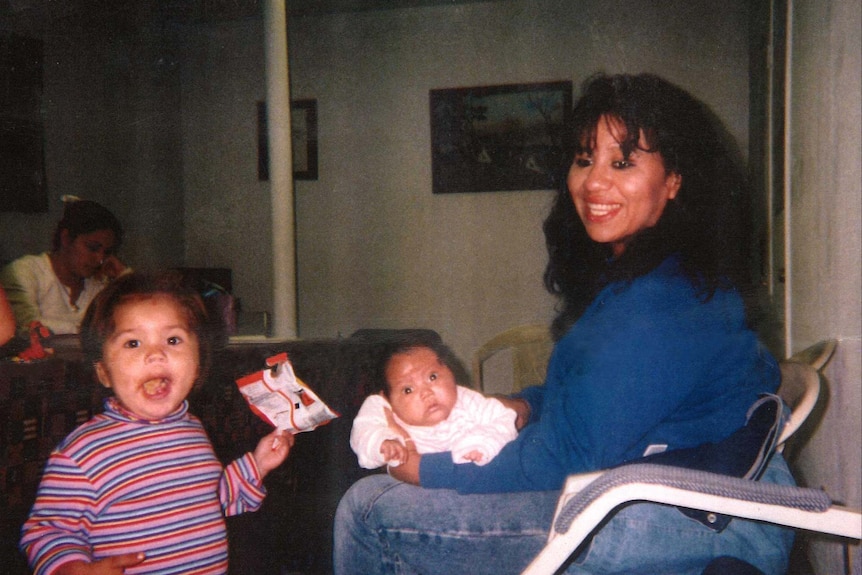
791 506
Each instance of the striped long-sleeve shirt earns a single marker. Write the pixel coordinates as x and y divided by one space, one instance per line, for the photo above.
118 484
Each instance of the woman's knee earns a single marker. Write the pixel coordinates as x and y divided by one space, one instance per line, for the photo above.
361 496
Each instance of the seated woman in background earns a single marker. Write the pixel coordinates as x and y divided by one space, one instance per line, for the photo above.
55 288
653 351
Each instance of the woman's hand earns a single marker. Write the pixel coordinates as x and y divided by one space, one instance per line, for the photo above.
520 406
408 470
111 268
272 450
115 565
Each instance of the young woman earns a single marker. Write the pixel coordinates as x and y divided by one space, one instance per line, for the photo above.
55 288
653 351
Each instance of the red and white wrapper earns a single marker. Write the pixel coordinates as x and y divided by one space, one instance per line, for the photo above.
282 399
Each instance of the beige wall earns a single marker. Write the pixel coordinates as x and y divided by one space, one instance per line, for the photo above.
825 272
227 217
160 124
375 247
111 116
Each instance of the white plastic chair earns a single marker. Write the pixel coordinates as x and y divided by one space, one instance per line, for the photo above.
800 384
586 499
800 388
531 347
581 509
817 355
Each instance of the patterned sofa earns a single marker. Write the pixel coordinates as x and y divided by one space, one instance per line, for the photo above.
292 533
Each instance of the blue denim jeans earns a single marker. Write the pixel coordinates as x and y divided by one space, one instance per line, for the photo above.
383 526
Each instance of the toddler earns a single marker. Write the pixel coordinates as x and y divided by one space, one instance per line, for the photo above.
418 394
138 488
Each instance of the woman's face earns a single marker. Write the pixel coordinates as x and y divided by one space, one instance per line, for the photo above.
617 197
84 254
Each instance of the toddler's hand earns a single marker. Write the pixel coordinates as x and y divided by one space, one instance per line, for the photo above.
272 450
115 565
393 450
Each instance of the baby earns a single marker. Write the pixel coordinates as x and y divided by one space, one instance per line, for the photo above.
419 396
139 486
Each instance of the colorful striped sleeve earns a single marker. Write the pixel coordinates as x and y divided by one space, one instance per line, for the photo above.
241 488
58 529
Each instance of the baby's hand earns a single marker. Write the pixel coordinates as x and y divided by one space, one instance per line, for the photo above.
115 565
272 450
475 456
393 450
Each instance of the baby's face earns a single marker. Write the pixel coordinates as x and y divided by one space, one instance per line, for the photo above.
422 390
151 359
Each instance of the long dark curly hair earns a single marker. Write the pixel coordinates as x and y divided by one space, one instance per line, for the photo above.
706 224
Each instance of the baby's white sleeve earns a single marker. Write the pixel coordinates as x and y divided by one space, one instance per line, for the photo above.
493 427
370 430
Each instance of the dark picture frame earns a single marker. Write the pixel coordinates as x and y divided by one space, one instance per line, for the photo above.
303 131
303 122
498 138
22 133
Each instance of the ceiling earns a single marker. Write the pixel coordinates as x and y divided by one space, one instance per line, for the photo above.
36 15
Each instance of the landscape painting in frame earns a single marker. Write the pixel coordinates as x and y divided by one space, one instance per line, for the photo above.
498 138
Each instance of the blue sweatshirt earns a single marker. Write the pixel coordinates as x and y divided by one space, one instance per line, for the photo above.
649 363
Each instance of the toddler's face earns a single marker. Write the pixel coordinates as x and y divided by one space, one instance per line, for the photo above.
151 359
422 390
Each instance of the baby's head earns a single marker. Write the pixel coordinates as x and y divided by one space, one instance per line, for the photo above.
148 338
416 375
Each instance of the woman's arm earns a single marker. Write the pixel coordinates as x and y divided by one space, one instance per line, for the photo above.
408 471
7 319
19 282
645 364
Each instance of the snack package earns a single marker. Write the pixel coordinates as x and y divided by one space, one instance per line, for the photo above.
282 399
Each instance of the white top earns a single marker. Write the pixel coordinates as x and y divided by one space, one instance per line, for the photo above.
36 293
476 423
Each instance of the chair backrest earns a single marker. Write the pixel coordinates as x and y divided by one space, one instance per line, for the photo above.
818 355
800 383
800 387
530 346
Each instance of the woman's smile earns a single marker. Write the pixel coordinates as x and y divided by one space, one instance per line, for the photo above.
616 195
597 211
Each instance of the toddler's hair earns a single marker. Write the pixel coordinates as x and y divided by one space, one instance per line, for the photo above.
407 341
98 324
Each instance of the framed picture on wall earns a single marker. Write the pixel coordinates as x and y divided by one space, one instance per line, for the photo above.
303 131
498 138
303 128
